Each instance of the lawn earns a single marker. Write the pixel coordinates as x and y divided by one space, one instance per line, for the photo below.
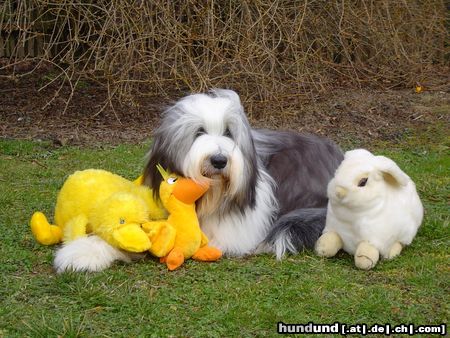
234 297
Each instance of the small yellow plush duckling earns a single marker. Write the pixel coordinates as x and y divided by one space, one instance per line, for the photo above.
114 208
178 195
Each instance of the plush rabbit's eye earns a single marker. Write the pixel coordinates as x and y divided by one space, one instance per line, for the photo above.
171 180
122 221
362 182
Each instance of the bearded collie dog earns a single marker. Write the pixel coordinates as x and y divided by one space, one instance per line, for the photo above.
268 189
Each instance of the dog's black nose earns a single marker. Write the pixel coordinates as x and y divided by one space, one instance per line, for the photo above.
218 161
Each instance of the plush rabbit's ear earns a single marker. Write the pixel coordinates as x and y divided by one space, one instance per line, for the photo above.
357 153
392 173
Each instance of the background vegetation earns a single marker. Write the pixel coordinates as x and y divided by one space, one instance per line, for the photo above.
268 50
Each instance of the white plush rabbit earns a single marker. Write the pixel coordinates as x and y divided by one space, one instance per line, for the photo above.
373 209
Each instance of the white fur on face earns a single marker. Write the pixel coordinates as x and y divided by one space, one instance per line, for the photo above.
197 163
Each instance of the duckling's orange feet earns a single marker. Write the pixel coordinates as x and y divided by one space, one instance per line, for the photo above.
207 254
174 259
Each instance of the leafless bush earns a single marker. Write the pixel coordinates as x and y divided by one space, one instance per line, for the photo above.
268 50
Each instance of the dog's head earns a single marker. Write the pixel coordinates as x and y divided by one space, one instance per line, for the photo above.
207 137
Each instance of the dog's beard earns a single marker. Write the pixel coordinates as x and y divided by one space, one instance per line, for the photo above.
213 200
220 191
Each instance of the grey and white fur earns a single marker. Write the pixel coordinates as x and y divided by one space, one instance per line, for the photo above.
268 189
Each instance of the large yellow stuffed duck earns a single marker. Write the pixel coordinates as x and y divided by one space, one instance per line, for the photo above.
178 196
110 206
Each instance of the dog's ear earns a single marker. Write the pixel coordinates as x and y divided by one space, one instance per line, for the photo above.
152 177
253 172
158 155
247 193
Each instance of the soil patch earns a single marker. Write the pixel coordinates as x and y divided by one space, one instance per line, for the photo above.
358 116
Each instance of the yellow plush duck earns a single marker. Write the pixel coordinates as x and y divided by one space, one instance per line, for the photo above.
110 206
178 196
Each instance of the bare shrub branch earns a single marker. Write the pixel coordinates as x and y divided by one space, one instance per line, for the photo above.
267 50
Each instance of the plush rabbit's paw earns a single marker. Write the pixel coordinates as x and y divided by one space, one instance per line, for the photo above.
396 249
366 256
328 244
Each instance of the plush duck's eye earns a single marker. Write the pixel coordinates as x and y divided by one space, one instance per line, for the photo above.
201 131
171 180
227 133
122 221
362 182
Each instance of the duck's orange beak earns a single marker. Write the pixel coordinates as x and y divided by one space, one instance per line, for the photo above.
188 191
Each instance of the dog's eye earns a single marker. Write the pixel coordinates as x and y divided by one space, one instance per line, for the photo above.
201 131
171 180
362 182
227 133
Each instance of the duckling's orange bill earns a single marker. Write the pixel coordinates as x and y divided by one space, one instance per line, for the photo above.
189 191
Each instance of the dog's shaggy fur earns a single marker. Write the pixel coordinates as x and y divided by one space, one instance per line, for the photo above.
268 188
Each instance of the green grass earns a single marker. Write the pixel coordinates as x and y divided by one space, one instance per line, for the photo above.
234 297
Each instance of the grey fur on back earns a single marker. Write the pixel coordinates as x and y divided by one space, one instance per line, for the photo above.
301 166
